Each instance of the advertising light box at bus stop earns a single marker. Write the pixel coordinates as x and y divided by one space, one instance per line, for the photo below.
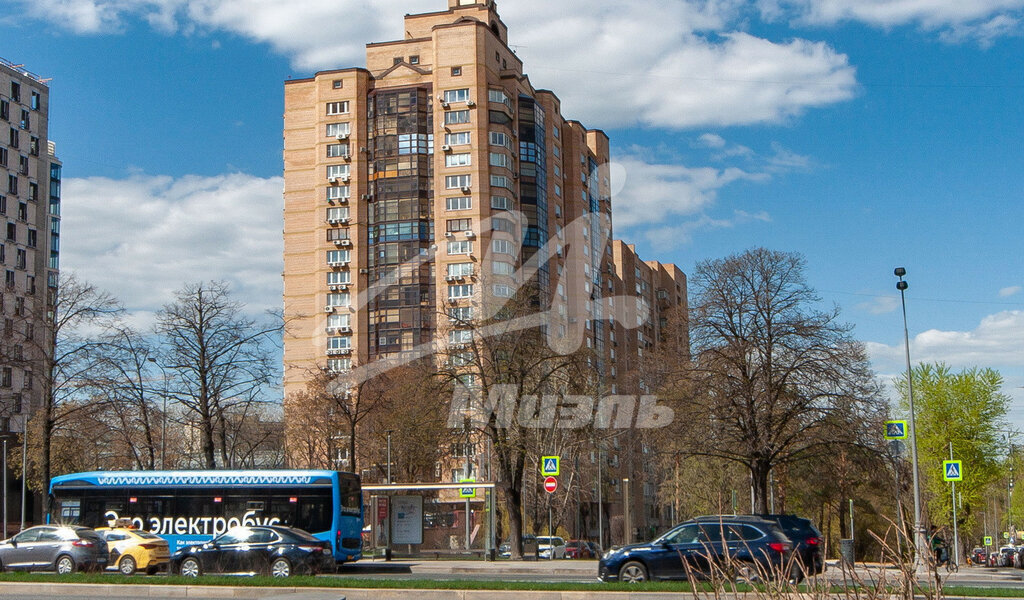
407 520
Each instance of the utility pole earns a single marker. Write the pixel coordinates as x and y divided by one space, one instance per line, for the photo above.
956 536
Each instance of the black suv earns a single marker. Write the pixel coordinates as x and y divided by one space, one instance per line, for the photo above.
807 542
750 547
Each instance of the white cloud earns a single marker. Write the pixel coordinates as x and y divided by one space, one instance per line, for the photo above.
711 140
1006 292
880 305
676 64
998 341
983 20
143 237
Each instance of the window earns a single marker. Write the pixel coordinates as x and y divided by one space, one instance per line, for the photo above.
457 160
503 268
21 258
337 214
339 278
23 164
501 203
339 365
558 190
33 145
414 60
12 184
503 225
3 157
499 96
460 336
336 129
503 247
23 211
503 291
461 313
5 110
25 122
397 60
337 84
15 136
454 248
33 191
499 139
460 95
338 256
456 182
338 192
9 278
459 225
452 117
501 181
341 300
456 292
15 91
556 151
459 203
12 232
500 159
337 108
338 171
460 270
456 71
339 343
5 377
334 235
337 150
461 138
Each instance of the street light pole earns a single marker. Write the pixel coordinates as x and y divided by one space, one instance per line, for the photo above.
919 534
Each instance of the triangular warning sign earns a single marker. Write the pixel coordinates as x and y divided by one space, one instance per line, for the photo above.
953 470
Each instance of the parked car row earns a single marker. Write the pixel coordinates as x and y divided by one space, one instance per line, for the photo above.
272 550
1005 556
748 547
546 546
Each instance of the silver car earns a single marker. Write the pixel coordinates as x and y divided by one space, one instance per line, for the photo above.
63 549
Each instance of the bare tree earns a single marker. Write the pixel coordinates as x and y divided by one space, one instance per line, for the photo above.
65 357
218 358
775 380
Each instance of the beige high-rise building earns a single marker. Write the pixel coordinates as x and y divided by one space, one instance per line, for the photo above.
30 212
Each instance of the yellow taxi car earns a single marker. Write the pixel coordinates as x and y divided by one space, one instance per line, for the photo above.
133 549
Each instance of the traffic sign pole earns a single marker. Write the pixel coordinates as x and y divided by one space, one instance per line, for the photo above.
956 537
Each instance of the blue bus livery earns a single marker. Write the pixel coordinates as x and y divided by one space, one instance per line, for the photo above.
189 507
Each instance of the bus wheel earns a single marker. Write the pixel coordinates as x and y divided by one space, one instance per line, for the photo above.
281 568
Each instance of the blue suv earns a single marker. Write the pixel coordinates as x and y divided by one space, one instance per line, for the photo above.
749 548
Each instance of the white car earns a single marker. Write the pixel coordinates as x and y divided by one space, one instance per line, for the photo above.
551 545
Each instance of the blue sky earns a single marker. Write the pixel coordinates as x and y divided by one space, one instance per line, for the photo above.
865 134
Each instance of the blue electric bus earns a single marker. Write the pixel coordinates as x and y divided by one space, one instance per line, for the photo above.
188 507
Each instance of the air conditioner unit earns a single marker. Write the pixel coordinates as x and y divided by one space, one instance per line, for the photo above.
440 97
346 178
335 288
346 157
332 180
469 234
344 330
470 103
342 136
366 196
333 221
451 278
450 234
337 351
343 221
364 271
343 287
446 148
346 242
444 104
328 309
466 189
339 242
334 263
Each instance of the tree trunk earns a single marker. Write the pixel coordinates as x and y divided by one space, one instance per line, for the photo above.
759 471
514 507
206 439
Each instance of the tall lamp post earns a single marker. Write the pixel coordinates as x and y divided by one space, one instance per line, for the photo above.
919 533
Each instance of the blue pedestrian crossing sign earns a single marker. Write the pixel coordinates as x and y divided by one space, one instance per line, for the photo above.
895 430
952 470
467 492
549 466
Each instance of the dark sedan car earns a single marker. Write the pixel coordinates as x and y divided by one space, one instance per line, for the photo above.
807 541
63 549
749 547
979 556
271 550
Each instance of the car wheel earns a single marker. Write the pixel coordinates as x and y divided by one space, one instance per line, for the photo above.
633 572
281 568
65 565
189 568
127 565
746 573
